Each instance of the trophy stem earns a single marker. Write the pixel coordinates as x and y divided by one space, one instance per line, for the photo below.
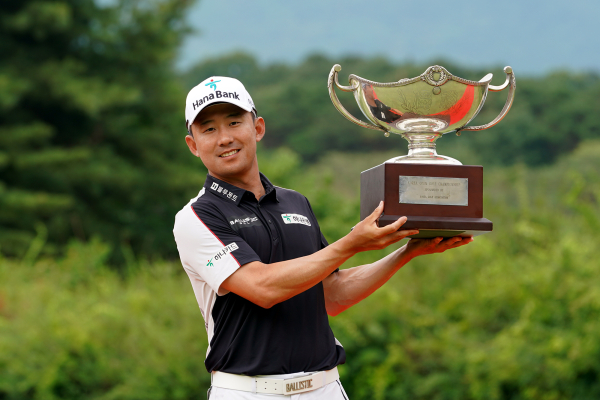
422 150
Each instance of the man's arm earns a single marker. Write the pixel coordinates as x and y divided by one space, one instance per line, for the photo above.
270 284
347 287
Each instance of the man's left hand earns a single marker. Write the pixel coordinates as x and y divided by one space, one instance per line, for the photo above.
419 247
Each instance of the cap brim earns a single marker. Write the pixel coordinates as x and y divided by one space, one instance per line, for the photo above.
194 115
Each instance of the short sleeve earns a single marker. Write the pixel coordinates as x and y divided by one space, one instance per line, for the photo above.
324 242
209 249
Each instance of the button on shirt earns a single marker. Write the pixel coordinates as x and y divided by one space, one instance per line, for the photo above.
222 229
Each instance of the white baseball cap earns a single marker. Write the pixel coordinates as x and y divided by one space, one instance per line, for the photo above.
216 89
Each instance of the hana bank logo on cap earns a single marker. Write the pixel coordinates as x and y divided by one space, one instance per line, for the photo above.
207 92
212 84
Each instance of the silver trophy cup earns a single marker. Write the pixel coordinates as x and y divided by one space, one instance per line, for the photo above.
438 195
421 109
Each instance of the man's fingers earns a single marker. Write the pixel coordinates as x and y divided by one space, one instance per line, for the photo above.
408 232
451 241
463 241
396 225
399 235
376 213
393 227
455 241
433 244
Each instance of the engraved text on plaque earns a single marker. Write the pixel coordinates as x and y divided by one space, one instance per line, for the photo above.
434 190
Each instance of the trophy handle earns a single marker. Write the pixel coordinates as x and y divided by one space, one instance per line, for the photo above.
511 84
333 79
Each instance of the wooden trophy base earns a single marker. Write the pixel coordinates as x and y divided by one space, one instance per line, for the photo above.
439 200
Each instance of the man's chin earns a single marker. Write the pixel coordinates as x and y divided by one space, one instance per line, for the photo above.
232 172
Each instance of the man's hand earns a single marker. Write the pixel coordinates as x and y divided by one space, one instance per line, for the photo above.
419 247
367 235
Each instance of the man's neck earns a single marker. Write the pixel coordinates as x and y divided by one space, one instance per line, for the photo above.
249 181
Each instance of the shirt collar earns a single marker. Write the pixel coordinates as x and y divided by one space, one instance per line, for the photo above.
233 193
269 187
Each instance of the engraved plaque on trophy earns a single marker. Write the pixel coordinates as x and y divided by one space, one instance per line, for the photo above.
438 195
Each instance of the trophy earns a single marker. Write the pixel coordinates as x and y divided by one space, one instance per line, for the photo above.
438 195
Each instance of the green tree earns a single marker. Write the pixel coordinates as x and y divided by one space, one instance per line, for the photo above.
90 123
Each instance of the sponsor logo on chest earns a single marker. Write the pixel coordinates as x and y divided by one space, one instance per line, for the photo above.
295 219
221 254
244 221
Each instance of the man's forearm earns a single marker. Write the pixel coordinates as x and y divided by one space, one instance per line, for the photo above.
269 284
350 286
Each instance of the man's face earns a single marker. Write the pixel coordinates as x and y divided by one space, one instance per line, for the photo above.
224 137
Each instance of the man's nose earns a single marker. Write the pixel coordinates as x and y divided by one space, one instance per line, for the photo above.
225 137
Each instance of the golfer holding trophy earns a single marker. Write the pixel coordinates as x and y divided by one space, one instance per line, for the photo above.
264 276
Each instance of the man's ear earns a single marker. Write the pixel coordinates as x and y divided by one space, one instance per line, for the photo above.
259 125
189 140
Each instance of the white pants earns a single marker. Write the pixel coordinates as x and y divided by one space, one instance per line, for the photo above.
332 391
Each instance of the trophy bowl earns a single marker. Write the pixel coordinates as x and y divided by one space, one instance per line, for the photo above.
421 109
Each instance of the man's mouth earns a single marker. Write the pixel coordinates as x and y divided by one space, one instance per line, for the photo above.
229 153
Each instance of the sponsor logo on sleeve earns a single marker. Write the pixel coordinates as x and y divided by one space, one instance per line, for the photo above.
221 254
295 219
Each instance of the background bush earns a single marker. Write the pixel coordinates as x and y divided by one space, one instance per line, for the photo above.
512 316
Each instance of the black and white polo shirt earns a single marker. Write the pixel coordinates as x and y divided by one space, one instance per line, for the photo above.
222 229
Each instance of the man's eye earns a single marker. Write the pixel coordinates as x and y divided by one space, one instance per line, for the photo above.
209 130
235 123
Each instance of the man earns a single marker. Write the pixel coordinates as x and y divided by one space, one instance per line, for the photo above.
262 272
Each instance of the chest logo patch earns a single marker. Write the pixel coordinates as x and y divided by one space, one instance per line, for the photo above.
221 254
244 221
295 219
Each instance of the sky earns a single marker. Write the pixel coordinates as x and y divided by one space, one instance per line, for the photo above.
534 37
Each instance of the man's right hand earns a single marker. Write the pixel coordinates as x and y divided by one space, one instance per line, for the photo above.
367 235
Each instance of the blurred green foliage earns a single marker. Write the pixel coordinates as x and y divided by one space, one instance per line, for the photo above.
75 329
514 315
90 127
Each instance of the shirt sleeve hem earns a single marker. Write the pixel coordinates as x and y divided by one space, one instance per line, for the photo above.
227 273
